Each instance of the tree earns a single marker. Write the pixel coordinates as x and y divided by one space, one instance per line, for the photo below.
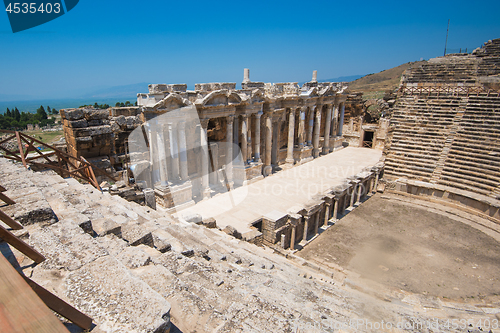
8 114
49 110
17 115
127 103
41 112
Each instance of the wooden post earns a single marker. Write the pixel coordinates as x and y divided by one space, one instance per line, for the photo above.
20 245
21 150
6 199
58 305
10 222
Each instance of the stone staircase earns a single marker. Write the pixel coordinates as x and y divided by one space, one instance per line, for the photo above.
473 162
436 175
447 140
132 268
421 127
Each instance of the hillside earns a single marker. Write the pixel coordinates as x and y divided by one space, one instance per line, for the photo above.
380 82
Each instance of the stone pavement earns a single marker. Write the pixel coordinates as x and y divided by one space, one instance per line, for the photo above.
283 190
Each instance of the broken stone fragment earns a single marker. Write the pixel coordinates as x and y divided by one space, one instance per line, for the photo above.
105 226
193 218
188 253
81 123
73 114
209 223
95 114
136 234
230 230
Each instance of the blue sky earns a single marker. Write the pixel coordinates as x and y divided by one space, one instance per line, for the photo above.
109 43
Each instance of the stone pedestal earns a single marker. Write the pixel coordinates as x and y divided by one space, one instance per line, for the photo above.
336 143
247 174
303 155
175 197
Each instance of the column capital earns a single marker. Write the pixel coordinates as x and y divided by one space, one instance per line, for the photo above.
230 118
259 114
204 123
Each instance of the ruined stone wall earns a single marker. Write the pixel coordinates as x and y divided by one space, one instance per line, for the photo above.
95 133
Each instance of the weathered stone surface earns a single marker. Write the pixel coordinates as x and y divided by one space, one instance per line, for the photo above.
29 212
116 299
164 241
133 257
73 114
210 223
99 130
136 234
121 121
95 114
193 218
112 243
81 123
104 226
230 230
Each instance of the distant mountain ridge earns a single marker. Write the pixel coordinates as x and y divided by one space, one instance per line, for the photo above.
385 80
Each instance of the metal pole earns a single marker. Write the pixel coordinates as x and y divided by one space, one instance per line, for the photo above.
446 43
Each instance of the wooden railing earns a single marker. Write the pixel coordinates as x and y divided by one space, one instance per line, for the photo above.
447 89
61 162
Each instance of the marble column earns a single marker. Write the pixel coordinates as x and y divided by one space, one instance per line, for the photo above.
353 193
341 119
317 127
153 152
183 151
302 127
376 181
283 240
229 151
306 226
249 140
268 169
316 222
335 115
174 152
244 141
236 136
214 160
257 137
328 122
292 238
335 209
311 126
291 135
204 172
327 214
162 157
361 188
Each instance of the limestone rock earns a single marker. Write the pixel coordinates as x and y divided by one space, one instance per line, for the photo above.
209 223
133 257
81 123
136 234
230 230
105 226
116 299
193 218
73 114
